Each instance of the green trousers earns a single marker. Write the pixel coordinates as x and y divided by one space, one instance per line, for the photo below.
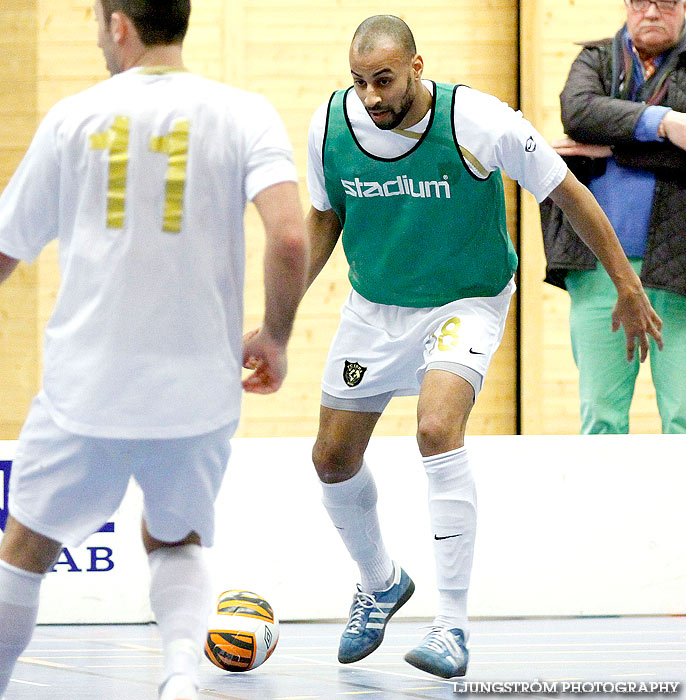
606 379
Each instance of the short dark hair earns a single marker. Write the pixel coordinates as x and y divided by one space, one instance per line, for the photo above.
156 21
374 28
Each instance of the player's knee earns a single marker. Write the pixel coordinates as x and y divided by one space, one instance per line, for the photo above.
436 434
27 549
335 463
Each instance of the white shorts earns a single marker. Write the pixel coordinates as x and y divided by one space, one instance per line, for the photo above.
66 486
382 351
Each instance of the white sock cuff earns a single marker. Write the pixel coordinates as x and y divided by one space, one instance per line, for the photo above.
435 460
458 456
350 487
19 587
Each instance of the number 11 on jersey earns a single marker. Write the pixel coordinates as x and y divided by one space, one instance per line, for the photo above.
174 144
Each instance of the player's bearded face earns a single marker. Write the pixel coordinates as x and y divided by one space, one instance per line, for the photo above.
387 80
389 115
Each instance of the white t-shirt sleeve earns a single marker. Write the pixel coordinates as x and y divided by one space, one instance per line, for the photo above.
315 167
500 138
29 205
269 158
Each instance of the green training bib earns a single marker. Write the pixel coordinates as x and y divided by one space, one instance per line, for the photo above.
418 230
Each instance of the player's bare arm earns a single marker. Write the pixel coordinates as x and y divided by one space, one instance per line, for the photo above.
633 310
285 269
7 266
323 230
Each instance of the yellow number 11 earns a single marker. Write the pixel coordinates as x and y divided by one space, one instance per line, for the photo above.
174 144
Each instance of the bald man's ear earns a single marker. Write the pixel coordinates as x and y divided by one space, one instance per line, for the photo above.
418 66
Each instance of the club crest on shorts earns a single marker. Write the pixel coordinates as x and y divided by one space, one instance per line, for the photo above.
353 373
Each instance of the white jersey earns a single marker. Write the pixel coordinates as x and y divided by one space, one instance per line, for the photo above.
144 179
491 135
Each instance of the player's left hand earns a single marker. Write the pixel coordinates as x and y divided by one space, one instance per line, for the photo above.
634 312
267 358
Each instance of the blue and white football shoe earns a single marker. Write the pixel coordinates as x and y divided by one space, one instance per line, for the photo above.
442 652
369 614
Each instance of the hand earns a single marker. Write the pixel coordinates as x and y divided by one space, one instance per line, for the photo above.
674 126
568 147
267 358
635 313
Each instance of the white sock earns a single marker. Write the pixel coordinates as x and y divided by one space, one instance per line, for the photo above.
19 595
351 506
452 610
180 596
452 510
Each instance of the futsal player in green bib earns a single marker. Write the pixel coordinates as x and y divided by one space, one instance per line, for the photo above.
408 172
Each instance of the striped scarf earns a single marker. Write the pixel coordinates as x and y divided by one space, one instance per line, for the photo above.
627 85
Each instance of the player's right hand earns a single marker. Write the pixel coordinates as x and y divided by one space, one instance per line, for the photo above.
267 359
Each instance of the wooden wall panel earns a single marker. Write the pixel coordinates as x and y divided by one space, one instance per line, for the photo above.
296 54
550 402
19 333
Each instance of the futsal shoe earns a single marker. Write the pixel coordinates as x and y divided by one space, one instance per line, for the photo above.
442 652
369 614
178 687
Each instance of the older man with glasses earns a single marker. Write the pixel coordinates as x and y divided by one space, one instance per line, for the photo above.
624 115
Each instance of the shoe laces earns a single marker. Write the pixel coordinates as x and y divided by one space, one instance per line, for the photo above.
362 602
440 640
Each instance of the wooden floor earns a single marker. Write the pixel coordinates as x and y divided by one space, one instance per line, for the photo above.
124 661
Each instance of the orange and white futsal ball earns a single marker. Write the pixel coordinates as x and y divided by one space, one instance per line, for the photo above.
243 633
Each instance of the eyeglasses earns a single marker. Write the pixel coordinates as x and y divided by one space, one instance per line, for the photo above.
662 5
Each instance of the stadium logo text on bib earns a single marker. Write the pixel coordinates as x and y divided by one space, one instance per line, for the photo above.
401 185
353 373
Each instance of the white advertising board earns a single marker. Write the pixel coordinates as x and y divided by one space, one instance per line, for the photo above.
568 525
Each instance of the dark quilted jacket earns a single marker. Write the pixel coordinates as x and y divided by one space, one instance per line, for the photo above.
590 116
